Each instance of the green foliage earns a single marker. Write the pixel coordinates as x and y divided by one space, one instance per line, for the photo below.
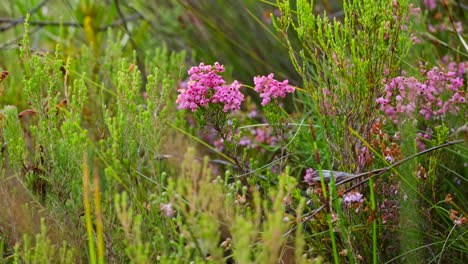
92 141
42 250
12 136
251 47
341 62
136 250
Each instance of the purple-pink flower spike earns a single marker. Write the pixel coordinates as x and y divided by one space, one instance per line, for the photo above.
269 87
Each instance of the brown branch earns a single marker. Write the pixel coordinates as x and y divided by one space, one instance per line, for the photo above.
15 22
122 21
383 170
69 24
21 20
378 172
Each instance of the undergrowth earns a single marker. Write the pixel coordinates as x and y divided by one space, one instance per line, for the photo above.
233 132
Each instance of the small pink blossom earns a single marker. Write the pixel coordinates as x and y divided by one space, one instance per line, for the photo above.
230 96
219 144
263 136
245 141
436 95
430 4
414 10
205 81
420 137
252 114
308 178
415 39
459 27
390 159
167 209
364 156
353 199
269 87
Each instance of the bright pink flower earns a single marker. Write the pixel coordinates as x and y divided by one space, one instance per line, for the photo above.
438 94
204 82
229 95
269 87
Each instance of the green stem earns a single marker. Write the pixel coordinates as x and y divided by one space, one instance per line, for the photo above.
374 222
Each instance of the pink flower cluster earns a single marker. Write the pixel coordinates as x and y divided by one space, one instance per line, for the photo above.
420 142
257 138
458 67
309 176
438 94
364 157
430 4
269 87
414 10
206 85
353 197
263 136
167 209
444 26
230 96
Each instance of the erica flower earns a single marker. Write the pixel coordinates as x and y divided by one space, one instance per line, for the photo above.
206 86
353 199
3 75
419 140
438 94
245 141
430 4
167 209
269 87
229 95
263 136
309 177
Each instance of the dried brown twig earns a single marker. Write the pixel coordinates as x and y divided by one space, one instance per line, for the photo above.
68 24
21 20
371 174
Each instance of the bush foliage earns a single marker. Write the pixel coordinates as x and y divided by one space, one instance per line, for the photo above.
245 131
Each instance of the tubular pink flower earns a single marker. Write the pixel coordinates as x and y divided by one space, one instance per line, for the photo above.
308 178
230 96
167 209
268 87
430 4
205 85
353 197
438 94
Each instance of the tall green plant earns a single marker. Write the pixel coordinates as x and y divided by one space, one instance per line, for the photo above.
342 63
